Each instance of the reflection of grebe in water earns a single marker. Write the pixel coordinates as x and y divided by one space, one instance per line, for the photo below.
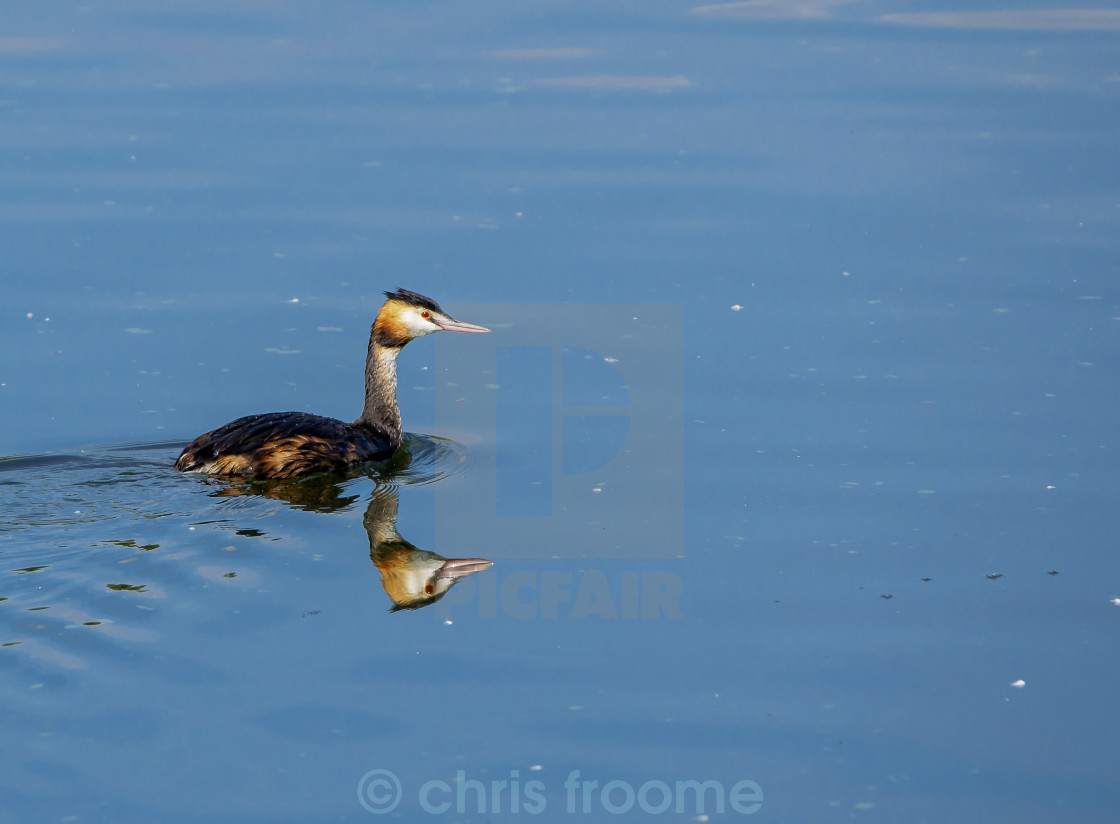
287 444
412 577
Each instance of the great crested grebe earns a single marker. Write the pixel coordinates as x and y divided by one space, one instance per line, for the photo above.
287 444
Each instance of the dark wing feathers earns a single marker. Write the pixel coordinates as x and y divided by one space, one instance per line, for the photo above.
281 445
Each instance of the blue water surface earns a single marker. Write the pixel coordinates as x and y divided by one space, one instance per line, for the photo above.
793 443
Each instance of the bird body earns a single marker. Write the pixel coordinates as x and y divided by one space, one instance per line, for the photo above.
283 445
288 444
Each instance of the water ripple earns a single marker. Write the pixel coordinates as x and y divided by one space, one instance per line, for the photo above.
112 546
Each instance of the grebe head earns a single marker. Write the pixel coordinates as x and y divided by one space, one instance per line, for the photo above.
407 315
415 578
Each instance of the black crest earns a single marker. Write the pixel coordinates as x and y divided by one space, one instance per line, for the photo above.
413 299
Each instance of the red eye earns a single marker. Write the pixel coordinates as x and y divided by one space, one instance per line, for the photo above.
425 314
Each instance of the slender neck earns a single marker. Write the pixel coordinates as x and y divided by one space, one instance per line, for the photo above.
381 411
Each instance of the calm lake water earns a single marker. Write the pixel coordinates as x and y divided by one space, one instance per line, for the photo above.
793 445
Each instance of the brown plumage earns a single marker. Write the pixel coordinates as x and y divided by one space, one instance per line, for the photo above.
283 445
288 444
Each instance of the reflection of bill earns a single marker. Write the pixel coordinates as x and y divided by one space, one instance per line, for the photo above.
412 577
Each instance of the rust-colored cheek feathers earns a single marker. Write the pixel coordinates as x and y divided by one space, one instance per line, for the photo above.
389 329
